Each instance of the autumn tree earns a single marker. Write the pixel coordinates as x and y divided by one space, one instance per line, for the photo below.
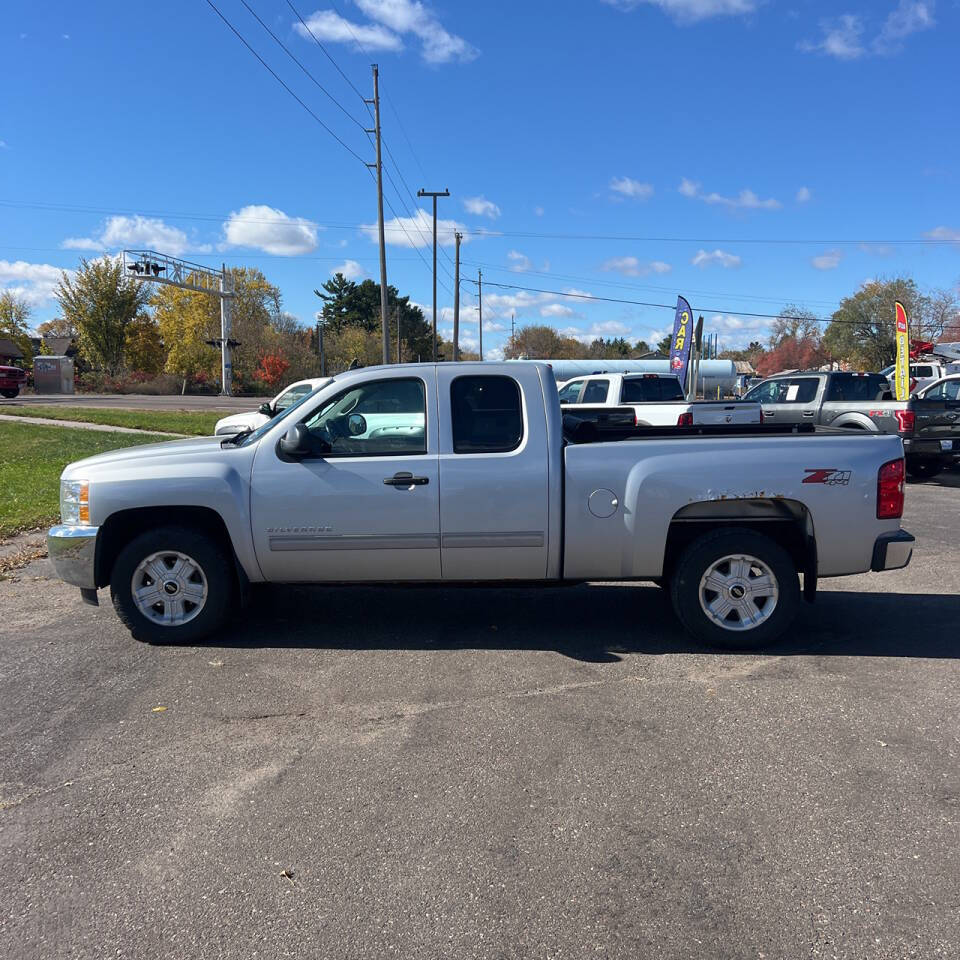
862 331
795 343
143 349
540 342
99 301
15 315
272 369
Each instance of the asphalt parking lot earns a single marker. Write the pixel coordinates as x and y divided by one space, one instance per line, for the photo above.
372 773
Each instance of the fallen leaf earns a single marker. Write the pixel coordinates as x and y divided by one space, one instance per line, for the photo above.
158 709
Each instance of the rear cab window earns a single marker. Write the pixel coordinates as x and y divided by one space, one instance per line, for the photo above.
596 391
486 414
857 389
650 389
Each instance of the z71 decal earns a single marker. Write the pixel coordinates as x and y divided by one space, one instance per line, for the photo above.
828 475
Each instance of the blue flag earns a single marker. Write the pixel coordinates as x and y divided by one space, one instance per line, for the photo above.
680 342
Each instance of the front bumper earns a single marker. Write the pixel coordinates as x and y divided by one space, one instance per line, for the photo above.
73 553
892 550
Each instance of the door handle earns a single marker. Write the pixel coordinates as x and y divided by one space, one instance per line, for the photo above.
809 413
405 480
767 413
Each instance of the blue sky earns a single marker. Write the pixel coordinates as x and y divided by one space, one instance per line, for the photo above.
700 139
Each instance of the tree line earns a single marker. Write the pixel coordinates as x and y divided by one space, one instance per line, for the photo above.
129 332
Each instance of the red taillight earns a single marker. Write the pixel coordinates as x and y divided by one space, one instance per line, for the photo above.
906 420
685 419
761 414
890 490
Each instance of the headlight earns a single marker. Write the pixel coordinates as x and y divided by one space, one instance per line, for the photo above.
75 501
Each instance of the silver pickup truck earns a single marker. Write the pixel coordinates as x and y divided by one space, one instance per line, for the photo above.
460 472
929 426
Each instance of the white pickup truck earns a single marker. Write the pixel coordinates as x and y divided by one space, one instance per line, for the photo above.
657 400
461 472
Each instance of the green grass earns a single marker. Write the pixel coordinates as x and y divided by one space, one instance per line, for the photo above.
198 424
32 457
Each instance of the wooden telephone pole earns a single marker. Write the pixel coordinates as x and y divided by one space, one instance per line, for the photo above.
383 246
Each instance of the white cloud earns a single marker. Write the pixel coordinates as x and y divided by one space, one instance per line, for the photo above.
33 282
557 310
690 11
908 17
745 200
632 267
270 230
145 232
390 21
330 26
804 195
842 38
416 231
520 261
350 269
627 187
538 211
4 145
943 233
609 328
726 260
481 207
828 261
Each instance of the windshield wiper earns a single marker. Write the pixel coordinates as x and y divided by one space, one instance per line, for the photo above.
235 438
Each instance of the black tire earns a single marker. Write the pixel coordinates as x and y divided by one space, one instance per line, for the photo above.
704 553
923 469
9 394
216 569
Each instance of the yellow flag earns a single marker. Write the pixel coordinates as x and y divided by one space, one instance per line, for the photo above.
902 372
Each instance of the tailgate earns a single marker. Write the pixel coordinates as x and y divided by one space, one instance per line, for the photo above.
937 420
707 412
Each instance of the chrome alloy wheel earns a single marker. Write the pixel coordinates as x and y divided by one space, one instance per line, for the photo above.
738 592
169 588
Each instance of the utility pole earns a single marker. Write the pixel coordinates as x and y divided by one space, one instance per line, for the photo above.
321 323
513 329
480 307
399 357
383 246
226 367
456 303
434 194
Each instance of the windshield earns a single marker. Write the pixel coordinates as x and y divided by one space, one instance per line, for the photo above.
255 435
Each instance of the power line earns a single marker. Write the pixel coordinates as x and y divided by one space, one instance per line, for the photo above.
276 77
661 306
482 232
635 286
287 51
327 52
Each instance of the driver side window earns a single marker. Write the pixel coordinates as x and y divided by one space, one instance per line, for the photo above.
379 418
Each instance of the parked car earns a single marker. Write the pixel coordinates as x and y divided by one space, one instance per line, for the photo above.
929 426
947 388
12 381
286 398
461 473
657 399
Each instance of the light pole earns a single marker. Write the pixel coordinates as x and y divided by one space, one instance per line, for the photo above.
321 323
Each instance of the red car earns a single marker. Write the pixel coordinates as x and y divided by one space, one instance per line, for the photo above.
12 381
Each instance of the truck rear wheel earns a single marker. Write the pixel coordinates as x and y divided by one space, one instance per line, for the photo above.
172 585
735 589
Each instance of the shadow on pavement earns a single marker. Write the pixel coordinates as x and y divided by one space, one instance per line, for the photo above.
595 623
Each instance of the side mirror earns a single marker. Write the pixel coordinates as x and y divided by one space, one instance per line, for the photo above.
356 424
295 443
266 409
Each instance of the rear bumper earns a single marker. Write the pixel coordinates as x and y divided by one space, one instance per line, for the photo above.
892 550
932 449
73 553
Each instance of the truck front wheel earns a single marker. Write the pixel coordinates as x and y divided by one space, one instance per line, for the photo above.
172 585
9 394
736 589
